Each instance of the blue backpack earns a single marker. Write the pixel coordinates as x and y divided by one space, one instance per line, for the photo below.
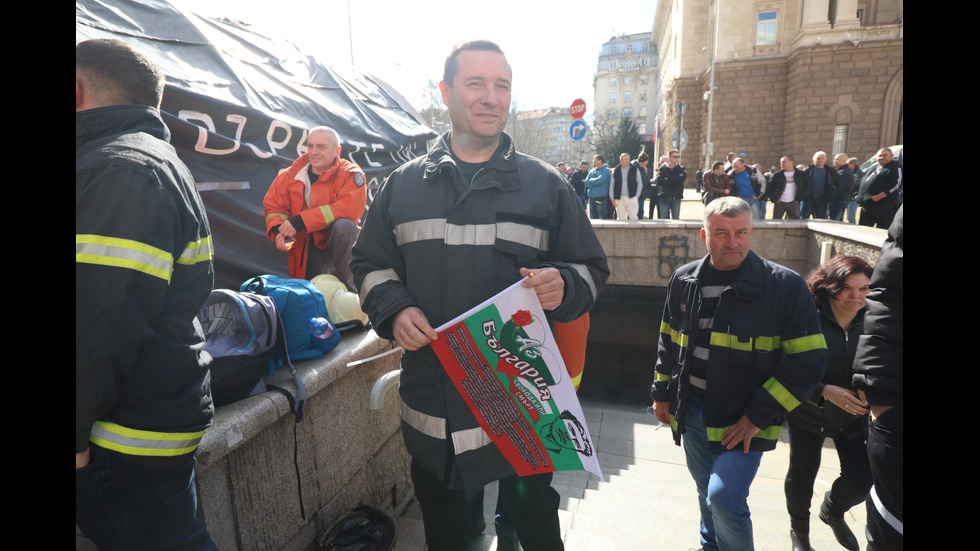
297 301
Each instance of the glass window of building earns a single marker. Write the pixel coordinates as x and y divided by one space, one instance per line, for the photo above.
612 97
766 30
627 96
840 139
612 81
629 80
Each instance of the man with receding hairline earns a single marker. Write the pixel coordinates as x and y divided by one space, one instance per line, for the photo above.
312 209
143 268
447 231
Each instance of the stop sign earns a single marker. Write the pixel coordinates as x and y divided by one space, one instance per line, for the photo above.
577 109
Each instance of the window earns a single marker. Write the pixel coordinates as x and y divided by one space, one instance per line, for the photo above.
612 65
840 139
643 95
643 128
612 81
766 30
643 110
614 49
612 97
628 113
629 48
627 96
628 64
629 80
612 113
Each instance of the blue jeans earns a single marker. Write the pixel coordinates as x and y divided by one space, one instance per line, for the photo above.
670 208
597 208
757 212
837 210
815 206
852 211
120 504
723 479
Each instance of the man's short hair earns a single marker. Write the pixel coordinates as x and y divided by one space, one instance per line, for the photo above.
328 130
115 73
717 164
601 158
853 161
642 157
729 207
790 157
452 65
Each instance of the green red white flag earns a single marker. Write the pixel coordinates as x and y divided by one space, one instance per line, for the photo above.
502 357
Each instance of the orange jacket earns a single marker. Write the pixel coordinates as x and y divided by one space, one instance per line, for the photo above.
571 339
338 193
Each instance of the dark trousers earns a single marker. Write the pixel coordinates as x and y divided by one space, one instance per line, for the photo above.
850 488
886 504
122 505
532 499
880 216
335 258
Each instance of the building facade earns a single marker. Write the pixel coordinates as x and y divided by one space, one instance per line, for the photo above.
546 134
623 82
790 77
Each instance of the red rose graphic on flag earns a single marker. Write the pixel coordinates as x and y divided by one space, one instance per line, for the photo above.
522 318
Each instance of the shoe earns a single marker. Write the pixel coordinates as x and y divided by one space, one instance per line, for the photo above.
841 531
508 543
801 542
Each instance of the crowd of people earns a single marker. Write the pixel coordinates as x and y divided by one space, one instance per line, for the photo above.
820 190
745 344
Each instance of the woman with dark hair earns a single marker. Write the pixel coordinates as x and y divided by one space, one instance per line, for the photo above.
835 410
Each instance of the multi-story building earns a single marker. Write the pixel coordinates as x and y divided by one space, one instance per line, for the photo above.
545 133
622 83
790 77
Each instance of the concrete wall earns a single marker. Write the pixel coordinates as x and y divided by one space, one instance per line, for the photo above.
645 253
347 455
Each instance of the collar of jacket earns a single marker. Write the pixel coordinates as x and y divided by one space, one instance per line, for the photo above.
826 313
101 122
748 284
500 171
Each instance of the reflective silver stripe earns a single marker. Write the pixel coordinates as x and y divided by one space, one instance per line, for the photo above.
423 422
375 278
142 442
887 515
712 291
470 439
197 251
583 271
123 253
698 382
700 352
471 234
523 234
420 230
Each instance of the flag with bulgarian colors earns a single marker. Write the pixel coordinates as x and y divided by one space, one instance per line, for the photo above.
502 357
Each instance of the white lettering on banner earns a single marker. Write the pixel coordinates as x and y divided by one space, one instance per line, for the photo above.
202 133
269 137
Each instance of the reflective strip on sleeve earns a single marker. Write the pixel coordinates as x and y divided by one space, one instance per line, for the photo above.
768 433
727 340
524 234
658 376
804 344
143 442
583 271
423 422
675 337
327 214
276 214
470 439
197 251
123 253
779 392
374 278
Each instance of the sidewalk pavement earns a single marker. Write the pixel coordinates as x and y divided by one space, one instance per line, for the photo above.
648 501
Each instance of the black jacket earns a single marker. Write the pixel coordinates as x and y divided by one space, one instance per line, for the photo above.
778 184
143 268
879 367
422 246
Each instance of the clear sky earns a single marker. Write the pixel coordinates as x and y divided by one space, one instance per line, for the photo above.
552 45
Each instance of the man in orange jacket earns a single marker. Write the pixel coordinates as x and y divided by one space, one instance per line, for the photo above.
321 196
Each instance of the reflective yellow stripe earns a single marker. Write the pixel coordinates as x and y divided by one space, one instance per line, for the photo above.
577 380
805 344
727 340
658 376
327 214
123 253
197 251
779 392
279 214
768 433
675 337
143 442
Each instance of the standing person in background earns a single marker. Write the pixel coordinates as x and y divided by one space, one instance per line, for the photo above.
845 187
878 193
787 189
627 184
577 179
823 186
649 190
670 186
716 183
852 204
834 410
597 186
